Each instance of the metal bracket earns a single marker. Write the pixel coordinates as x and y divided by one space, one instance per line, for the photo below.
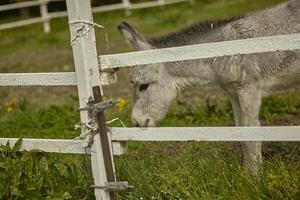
114 186
99 107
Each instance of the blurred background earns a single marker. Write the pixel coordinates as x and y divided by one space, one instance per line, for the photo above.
29 49
165 170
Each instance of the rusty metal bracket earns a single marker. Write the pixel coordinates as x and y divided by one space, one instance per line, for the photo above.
99 107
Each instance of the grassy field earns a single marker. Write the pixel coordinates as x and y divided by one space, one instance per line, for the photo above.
164 171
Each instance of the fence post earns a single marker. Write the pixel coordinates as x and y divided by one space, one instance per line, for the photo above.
89 89
161 2
45 16
127 7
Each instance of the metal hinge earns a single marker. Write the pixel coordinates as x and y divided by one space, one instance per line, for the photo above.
99 107
114 186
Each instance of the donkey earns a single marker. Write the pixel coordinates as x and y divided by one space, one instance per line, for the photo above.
245 78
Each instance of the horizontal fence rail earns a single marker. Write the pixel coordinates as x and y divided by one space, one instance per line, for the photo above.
267 133
25 4
200 51
180 134
38 79
47 16
191 52
55 145
21 23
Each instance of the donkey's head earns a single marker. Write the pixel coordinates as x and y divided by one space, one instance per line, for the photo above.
153 88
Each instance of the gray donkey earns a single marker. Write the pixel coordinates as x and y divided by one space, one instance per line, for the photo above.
245 78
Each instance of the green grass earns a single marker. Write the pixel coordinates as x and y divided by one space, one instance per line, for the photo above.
167 170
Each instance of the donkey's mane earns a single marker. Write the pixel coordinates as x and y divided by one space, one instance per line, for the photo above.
185 36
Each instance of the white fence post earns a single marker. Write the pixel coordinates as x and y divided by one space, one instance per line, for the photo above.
127 7
45 16
87 72
161 2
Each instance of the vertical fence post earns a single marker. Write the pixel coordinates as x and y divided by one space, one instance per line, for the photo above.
161 2
89 88
127 7
44 15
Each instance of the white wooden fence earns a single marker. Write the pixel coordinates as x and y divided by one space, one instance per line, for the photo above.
86 77
47 16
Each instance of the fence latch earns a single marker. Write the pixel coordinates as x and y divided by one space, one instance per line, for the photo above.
114 186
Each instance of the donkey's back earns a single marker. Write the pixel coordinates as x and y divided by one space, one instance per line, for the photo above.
277 70
283 19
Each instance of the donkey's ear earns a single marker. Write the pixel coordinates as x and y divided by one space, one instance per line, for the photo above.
133 38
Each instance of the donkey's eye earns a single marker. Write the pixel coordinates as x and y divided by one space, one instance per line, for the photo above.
143 87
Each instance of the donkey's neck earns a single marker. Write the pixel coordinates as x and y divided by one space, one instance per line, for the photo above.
203 32
195 72
192 72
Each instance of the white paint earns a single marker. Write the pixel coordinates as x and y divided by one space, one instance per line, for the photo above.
41 79
59 14
21 23
48 145
98 169
52 15
56 145
161 2
45 16
87 73
276 133
126 4
19 5
84 52
200 51
183 134
154 4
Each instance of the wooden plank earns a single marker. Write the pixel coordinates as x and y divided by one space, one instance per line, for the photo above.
107 8
200 51
59 14
127 4
41 79
87 72
97 169
153 4
13 6
45 15
56 145
124 5
21 23
48 145
276 133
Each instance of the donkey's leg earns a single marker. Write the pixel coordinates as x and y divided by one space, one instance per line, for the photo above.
246 104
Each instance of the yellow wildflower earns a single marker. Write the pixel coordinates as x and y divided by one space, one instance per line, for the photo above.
121 103
10 104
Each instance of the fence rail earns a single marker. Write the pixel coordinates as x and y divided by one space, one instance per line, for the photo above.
200 51
210 50
56 145
38 79
47 16
181 134
200 134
